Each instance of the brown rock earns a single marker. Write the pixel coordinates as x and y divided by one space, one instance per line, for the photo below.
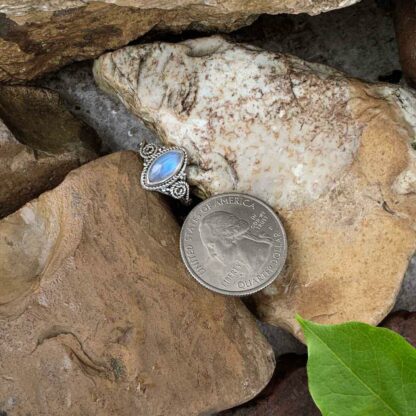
47 142
405 25
331 154
36 37
287 394
99 315
404 323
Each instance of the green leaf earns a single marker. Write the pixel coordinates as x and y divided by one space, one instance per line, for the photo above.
355 369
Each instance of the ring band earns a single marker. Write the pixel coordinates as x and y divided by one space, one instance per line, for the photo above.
164 170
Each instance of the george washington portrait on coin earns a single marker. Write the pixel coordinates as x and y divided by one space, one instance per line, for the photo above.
233 243
227 240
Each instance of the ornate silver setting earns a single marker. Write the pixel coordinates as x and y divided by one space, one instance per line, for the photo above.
175 185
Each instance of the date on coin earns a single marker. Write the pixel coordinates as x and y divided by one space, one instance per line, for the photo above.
233 244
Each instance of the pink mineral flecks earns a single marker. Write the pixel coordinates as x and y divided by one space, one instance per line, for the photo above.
251 120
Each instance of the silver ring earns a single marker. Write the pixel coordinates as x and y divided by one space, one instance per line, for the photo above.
164 170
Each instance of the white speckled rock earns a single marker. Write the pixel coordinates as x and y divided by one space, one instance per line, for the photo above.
333 155
40 36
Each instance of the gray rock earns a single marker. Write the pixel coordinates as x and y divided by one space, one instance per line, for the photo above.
281 341
407 296
118 128
358 40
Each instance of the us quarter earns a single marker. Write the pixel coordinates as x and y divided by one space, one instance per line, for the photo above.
233 244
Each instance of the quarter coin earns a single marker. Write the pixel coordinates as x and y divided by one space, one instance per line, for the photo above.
233 244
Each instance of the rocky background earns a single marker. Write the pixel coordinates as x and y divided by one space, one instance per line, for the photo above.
98 315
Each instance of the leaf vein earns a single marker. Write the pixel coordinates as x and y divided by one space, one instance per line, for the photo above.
387 406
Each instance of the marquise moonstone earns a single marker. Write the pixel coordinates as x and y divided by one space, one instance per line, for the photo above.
165 166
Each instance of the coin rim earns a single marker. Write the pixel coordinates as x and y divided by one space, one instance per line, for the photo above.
245 292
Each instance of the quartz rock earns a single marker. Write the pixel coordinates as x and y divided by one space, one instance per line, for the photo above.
48 142
93 322
332 155
37 37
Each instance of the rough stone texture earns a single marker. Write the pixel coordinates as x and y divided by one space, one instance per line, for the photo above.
118 128
286 395
39 118
37 37
332 155
93 322
405 23
47 142
359 40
